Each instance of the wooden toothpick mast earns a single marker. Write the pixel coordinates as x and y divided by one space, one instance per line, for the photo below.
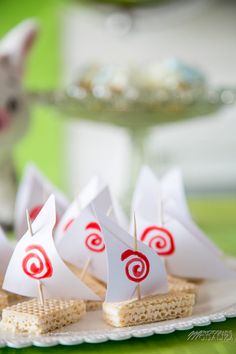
40 285
88 261
29 222
85 268
136 249
109 211
160 220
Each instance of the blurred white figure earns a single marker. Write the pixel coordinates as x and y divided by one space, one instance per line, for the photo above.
33 191
14 113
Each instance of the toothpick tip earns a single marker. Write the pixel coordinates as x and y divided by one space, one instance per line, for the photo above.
109 210
29 222
135 233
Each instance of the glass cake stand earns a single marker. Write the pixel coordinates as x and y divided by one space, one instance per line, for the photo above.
138 114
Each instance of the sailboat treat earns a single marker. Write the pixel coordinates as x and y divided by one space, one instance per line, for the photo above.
151 193
164 226
137 286
36 270
82 245
88 194
33 192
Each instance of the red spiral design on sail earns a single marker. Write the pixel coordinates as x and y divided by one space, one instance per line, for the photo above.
160 239
137 267
36 263
34 212
94 241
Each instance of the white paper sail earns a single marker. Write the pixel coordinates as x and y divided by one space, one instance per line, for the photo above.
128 268
176 204
83 240
88 193
33 191
171 209
36 258
119 212
6 250
152 193
185 255
173 187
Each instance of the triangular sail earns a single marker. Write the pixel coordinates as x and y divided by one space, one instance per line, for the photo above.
33 192
173 187
185 255
150 190
88 193
36 259
128 268
83 240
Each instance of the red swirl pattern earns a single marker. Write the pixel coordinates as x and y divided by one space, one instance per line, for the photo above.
137 267
36 263
34 212
160 239
94 241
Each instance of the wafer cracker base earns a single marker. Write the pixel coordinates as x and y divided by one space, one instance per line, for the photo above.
3 300
148 309
182 285
93 305
30 317
98 288
7 298
94 284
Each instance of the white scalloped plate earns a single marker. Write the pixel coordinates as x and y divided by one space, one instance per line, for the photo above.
215 303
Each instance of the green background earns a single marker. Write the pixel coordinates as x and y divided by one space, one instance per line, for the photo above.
44 145
44 138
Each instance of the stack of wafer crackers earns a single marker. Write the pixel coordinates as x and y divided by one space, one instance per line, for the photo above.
149 309
31 317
